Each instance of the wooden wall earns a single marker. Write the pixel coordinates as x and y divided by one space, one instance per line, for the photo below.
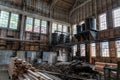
94 8
39 7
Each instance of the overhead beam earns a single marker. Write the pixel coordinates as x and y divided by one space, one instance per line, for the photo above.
74 4
67 2
53 3
79 6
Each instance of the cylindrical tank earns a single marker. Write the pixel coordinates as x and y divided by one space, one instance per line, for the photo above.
62 38
54 38
83 27
78 29
90 23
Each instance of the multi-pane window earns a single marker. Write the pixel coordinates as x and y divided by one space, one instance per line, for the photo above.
14 21
74 29
93 49
65 28
29 24
54 27
74 50
59 27
103 21
37 25
44 27
105 49
116 17
118 48
82 49
4 17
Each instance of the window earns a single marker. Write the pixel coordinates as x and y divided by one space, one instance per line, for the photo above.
54 27
65 28
118 48
74 29
59 27
44 27
74 50
103 21
37 25
105 49
14 21
116 17
4 17
82 49
29 24
93 50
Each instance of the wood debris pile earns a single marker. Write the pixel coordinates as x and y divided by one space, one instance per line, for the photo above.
22 70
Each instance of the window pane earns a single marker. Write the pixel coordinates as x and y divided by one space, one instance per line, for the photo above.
54 27
103 21
37 26
93 50
105 49
74 50
65 28
118 48
44 27
116 17
4 16
74 29
29 24
82 49
59 27
14 21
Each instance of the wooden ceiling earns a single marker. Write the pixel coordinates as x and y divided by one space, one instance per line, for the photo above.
66 5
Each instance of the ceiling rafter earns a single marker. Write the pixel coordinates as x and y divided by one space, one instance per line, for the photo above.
79 6
53 3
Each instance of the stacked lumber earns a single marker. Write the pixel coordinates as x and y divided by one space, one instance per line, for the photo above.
22 70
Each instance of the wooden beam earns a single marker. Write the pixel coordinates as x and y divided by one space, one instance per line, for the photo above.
53 3
79 6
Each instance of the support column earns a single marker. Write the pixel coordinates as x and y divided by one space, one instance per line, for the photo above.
22 27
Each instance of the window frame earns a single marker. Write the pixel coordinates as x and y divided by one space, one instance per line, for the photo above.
74 25
101 28
101 51
92 50
10 21
56 26
116 48
7 21
114 18
32 24
84 50
46 27
73 48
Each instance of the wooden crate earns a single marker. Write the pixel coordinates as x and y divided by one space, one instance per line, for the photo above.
27 47
36 48
32 48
